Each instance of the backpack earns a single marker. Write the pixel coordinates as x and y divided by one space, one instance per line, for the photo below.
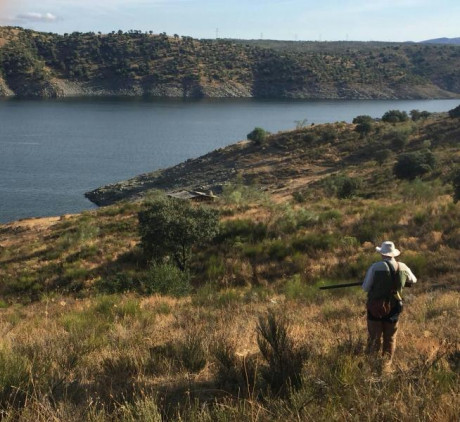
381 308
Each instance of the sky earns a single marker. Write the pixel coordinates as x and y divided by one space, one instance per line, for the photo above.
318 20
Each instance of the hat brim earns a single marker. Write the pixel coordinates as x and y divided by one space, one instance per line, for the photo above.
394 253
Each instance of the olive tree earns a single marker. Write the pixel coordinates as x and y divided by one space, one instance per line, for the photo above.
171 227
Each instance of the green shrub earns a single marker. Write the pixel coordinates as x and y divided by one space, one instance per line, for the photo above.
421 191
314 242
278 250
166 279
291 219
192 354
119 283
15 381
258 136
363 124
414 164
215 268
395 116
377 222
228 297
284 359
242 230
296 289
381 156
416 262
342 186
399 139
330 215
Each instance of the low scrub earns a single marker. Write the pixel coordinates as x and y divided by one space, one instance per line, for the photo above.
284 359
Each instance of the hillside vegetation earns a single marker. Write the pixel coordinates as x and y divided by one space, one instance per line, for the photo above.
92 328
34 64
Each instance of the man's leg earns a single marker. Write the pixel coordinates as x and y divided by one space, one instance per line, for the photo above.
389 339
375 330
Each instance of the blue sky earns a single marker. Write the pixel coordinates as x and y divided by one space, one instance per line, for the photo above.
325 20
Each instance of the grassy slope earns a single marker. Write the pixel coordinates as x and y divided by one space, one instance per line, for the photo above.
75 354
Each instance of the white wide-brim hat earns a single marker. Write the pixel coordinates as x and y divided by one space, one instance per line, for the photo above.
388 249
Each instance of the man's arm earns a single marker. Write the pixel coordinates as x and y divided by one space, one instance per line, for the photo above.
411 279
369 279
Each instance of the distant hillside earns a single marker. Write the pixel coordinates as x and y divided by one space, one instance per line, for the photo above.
455 41
34 64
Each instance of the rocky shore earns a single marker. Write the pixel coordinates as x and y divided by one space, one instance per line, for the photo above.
61 88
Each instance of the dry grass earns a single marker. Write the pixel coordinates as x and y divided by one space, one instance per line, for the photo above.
71 359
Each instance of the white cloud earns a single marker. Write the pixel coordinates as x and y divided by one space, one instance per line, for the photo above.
36 17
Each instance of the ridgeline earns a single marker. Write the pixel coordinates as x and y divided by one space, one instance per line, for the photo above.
47 65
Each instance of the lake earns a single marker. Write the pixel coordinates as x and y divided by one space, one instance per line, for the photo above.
53 151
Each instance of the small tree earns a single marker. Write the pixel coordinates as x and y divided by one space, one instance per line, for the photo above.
258 135
414 164
171 227
363 124
395 116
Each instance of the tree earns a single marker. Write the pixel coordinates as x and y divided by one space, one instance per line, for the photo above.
415 115
171 227
363 124
414 164
455 112
395 116
258 135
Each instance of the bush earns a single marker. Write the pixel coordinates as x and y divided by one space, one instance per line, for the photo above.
364 124
284 360
258 135
395 116
296 289
382 155
166 279
399 140
170 227
314 242
372 226
242 230
416 115
414 164
192 354
342 186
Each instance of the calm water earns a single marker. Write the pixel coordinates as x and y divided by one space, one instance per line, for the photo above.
51 152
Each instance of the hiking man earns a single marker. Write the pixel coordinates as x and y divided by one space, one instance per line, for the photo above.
384 283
